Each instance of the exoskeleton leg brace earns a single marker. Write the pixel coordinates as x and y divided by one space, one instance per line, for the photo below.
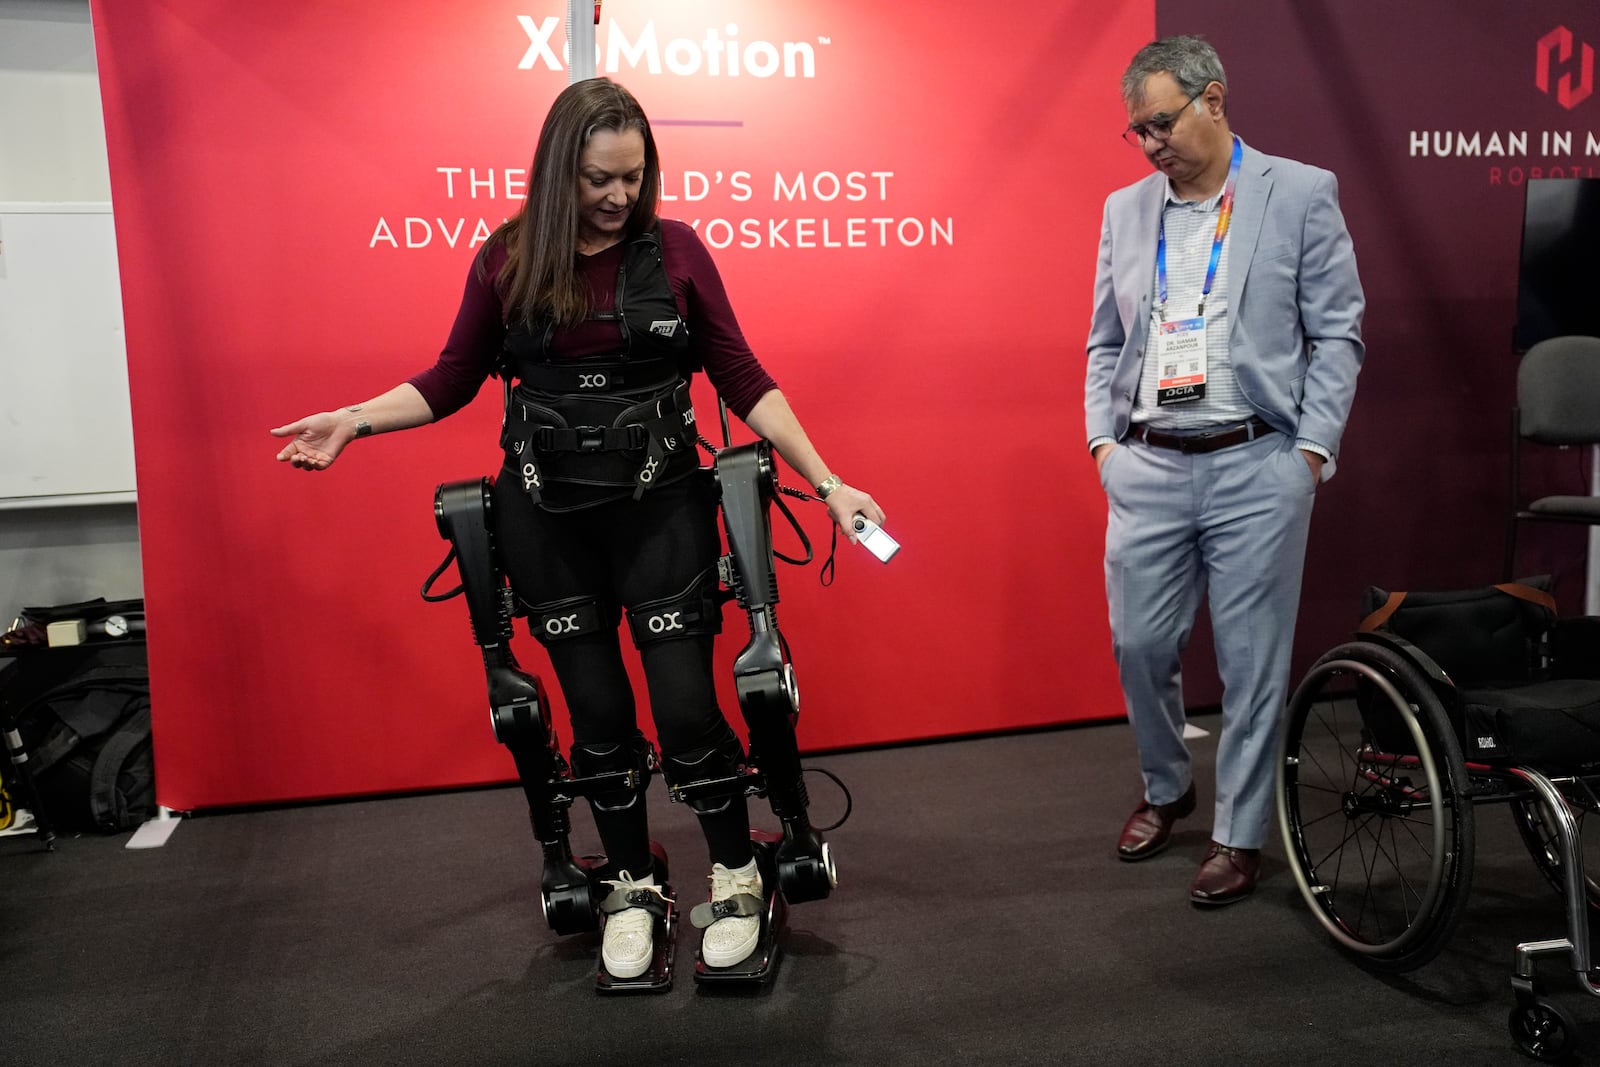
764 679
520 713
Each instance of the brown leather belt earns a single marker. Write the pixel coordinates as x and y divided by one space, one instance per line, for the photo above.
1225 437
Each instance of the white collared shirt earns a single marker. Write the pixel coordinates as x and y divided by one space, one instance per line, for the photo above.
1191 228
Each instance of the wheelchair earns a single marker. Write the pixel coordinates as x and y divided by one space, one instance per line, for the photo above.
1443 702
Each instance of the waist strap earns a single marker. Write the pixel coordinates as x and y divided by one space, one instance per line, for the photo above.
633 450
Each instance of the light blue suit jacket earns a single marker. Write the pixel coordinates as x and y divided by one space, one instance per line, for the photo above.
1295 300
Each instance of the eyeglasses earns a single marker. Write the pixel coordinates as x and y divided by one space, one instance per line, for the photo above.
1158 129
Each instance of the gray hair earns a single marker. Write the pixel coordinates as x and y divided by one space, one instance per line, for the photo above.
1191 61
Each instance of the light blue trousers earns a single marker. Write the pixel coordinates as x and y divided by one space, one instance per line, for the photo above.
1232 521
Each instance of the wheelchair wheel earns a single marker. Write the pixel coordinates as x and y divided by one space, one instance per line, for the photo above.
1541 1029
1538 833
1371 802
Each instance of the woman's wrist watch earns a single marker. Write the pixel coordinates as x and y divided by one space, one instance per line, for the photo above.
828 485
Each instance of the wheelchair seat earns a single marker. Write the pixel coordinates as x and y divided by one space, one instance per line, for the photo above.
1443 701
1526 683
1553 724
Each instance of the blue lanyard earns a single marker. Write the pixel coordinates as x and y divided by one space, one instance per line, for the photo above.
1224 218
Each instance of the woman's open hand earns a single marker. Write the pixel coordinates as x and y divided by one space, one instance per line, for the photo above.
316 441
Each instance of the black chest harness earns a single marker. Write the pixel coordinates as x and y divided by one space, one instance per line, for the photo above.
617 421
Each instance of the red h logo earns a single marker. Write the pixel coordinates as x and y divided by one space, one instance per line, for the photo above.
1559 42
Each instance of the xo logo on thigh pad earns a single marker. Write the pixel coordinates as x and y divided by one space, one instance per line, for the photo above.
560 625
666 622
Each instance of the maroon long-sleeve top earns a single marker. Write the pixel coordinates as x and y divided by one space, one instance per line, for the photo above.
473 348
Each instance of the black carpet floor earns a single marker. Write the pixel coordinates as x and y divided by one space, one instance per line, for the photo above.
980 919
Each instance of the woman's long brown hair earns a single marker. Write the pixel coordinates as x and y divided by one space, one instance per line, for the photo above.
540 276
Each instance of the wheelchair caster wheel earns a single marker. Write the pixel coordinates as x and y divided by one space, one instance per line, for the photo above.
1542 1030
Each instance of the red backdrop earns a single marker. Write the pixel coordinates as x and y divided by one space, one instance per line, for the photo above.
297 191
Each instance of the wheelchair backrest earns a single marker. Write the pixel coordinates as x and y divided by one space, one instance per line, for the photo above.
1490 636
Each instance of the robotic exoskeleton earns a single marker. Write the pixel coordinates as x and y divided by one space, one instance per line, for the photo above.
796 865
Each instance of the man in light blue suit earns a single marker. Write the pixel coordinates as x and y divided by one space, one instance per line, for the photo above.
1223 353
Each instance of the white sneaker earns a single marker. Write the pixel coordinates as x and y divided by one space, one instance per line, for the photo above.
731 939
626 948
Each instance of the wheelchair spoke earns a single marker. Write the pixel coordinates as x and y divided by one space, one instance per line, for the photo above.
1310 754
1376 891
1424 845
1332 791
1339 850
1376 839
1406 888
1402 890
1335 813
1410 899
1370 897
1366 895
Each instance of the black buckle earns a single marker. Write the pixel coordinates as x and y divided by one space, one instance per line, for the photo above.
590 438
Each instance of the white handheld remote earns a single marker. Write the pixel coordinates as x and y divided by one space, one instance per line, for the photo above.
872 537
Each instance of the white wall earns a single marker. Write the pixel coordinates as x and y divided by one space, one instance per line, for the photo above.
52 147
52 134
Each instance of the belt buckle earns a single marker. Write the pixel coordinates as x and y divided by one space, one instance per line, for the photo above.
590 438
1223 438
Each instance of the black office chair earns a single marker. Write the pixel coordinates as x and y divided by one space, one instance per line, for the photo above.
1558 405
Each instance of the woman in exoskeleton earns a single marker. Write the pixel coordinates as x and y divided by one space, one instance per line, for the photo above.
601 311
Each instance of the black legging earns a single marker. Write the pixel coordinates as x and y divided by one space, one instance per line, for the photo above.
626 553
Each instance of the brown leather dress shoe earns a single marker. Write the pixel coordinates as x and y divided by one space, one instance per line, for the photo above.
1149 828
1227 875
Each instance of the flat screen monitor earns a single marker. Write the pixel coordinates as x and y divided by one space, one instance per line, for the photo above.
1558 278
